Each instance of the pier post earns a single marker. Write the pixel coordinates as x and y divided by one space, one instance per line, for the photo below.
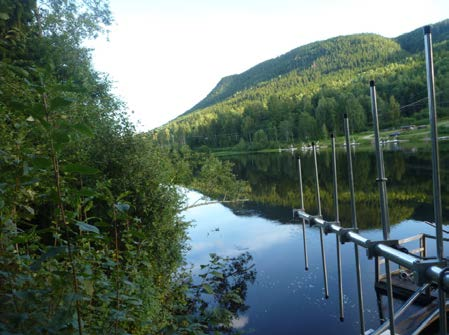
383 201
435 168
337 220
354 226
301 195
323 252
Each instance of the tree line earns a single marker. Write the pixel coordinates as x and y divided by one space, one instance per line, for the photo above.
306 105
92 239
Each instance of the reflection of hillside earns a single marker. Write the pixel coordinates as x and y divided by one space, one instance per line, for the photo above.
274 182
271 212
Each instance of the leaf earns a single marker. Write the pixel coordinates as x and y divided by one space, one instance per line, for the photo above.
17 105
135 302
42 163
4 16
59 102
89 287
29 209
37 110
78 168
122 207
83 129
87 192
61 136
50 253
217 274
207 288
31 181
83 226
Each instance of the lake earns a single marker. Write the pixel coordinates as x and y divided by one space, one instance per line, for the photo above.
286 299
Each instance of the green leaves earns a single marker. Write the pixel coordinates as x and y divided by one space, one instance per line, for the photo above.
83 226
121 207
61 102
79 168
83 129
42 163
207 288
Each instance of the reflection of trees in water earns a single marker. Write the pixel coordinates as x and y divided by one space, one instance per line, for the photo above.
274 181
219 297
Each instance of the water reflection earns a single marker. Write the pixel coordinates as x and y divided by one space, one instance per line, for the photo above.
230 235
285 299
274 182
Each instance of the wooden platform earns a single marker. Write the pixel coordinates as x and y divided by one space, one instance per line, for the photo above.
403 288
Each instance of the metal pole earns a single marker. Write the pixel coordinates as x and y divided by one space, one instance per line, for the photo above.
337 220
433 272
383 201
354 226
301 195
401 310
435 168
323 253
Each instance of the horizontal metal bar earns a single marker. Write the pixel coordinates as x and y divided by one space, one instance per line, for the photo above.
410 239
425 270
396 256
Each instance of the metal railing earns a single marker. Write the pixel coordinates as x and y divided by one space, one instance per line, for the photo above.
425 271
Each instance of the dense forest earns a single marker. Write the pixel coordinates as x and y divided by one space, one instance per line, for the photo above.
302 95
91 231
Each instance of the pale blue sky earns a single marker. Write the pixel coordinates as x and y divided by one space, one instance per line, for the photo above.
166 55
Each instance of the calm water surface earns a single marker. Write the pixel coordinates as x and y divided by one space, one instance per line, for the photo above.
286 299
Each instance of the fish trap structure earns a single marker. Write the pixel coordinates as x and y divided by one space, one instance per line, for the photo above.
417 278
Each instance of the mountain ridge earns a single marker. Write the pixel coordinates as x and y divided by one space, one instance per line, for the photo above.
302 94
409 42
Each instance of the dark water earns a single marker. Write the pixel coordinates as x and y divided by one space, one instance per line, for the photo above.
286 299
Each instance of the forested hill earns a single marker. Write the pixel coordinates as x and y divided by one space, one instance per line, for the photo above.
413 41
325 56
302 94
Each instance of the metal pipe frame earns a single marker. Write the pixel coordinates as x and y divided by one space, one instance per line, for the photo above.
403 308
354 226
435 167
425 271
301 194
383 200
318 200
337 219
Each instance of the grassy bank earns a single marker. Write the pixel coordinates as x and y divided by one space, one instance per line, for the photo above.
409 136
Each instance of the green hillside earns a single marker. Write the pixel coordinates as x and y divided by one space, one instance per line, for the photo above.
326 56
303 94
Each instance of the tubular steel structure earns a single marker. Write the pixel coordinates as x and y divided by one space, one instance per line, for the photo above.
426 271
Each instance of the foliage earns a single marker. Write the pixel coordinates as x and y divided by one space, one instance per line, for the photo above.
206 173
302 95
217 297
90 237
273 179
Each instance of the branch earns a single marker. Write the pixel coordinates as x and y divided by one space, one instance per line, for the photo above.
195 204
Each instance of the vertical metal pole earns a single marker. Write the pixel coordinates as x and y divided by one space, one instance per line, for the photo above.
355 226
435 167
383 201
301 195
323 253
337 220
379 306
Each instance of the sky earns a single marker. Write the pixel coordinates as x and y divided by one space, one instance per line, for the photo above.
164 56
